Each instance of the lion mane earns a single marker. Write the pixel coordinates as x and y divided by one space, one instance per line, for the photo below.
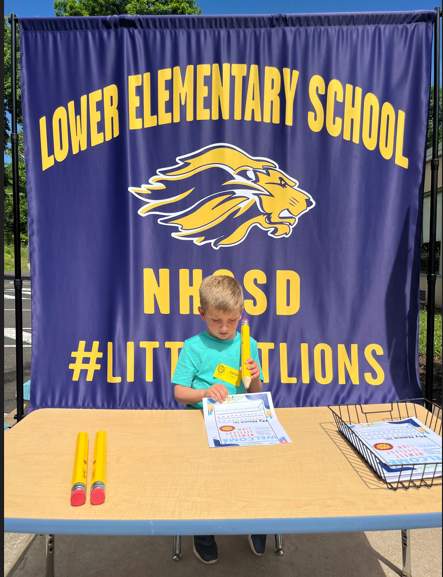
219 193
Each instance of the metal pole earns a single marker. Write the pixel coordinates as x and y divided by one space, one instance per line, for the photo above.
278 544
49 555
177 548
433 220
406 552
18 283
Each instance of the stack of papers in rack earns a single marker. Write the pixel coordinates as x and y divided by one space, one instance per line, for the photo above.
406 450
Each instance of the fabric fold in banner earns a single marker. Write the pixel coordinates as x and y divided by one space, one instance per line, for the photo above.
286 150
203 22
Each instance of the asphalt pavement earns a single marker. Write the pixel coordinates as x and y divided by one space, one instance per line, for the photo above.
372 554
10 383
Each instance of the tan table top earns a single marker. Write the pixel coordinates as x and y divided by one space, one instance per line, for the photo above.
162 478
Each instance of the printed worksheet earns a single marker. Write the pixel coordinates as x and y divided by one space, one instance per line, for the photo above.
405 447
243 420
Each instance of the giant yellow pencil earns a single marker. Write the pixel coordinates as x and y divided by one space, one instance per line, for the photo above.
245 352
78 485
98 482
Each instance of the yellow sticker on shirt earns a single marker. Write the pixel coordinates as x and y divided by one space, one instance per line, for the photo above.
227 374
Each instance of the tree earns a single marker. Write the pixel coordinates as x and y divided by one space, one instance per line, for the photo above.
7 90
118 7
431 118
8 228
7 174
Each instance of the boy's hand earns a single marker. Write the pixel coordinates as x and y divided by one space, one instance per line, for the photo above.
218 392
254 369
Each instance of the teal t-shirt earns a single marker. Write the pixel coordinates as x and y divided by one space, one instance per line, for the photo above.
200 357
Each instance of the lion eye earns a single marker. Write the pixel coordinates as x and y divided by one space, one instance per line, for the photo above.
283 183
248 175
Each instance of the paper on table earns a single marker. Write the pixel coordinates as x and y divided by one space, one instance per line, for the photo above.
243 420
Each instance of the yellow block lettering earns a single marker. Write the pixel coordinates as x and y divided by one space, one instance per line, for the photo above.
352 366
304 362
60 133
130 362
149 346
288 292
158 290
284 365
271 95
183 92
290 85
175 347
379 373
327 378
399 158
238 71
110 102
335 93
371 112
387 129
223 272
261 301
94 118
317 118
264 348
47 160
78 125
148 119
163 96
253 96
134 102
220 91
111 378
202 91
188 291
352 114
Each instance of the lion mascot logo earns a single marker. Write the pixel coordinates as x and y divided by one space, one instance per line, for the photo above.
219 193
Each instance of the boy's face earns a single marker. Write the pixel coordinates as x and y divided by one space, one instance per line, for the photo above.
221 325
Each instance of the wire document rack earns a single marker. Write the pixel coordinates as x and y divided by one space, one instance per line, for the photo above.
399 476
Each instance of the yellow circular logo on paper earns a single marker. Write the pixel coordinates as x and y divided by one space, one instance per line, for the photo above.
220 369
227 428
383 446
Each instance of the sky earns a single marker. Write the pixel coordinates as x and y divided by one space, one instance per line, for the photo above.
44 8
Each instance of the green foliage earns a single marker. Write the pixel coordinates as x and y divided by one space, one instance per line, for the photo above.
7 90
9 260
437 334
163 7
431 119
9 218
8 195
118 7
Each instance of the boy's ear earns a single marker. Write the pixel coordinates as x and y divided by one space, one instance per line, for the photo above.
202 313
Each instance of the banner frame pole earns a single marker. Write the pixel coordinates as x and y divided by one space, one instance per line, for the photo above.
18 283
431 277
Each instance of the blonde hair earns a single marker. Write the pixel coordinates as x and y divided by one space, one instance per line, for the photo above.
222 293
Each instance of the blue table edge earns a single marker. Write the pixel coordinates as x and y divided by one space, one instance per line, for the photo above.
223 526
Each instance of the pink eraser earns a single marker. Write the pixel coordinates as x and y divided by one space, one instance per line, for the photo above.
244 320
97 496
78 497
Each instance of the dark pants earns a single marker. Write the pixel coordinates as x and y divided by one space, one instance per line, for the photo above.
204 539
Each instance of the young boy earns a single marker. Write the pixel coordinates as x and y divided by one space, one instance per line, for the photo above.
221 306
